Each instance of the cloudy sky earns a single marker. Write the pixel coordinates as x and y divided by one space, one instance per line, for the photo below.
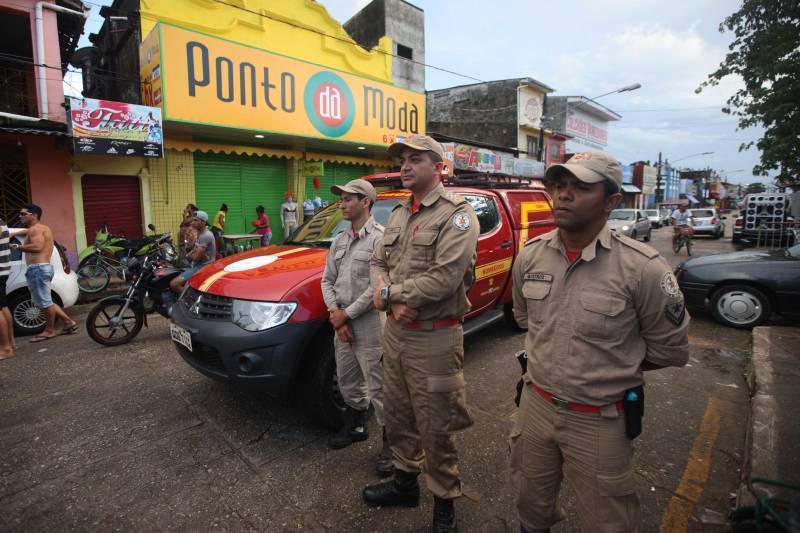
590 47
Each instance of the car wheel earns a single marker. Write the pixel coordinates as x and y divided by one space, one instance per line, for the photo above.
28 319
633 235
717 235
648 236
511 322
740 306
323 399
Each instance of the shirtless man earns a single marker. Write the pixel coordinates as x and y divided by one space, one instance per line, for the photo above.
38 248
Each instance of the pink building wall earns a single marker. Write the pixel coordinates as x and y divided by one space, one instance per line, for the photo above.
55 89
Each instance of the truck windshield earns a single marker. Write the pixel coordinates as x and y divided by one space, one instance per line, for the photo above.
328 223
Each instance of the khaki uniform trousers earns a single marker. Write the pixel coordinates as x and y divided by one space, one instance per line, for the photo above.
550 442
425 397
358 365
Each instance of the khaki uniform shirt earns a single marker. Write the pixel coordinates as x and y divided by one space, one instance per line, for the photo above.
345 281
592 323
428 257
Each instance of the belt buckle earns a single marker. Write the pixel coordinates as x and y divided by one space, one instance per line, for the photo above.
559 402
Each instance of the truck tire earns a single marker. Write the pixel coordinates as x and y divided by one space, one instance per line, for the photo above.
323 400
508 314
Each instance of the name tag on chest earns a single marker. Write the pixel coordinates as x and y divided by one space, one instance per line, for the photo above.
538 276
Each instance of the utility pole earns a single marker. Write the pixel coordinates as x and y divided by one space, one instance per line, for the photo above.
659 195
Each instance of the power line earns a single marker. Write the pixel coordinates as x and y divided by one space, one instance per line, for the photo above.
656 110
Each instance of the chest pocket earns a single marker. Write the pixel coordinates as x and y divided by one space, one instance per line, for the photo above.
389 243
536 295
338 254
360 266
601 315
423 249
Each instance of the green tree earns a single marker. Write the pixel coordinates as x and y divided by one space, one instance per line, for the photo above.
766 55
755 188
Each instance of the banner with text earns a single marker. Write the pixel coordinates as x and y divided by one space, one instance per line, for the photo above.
115 128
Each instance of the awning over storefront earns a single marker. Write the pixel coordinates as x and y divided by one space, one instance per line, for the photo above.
627 187
336 158
194 146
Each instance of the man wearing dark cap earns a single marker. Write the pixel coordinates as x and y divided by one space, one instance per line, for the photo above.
347 292
600 309
203 251
421 271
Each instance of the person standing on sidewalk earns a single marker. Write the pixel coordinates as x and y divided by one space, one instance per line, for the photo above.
38 248
421 271
218 227
7 344
348 294
600 308
261 223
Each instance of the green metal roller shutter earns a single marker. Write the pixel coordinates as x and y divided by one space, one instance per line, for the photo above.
218 179
242 182
264 183
335 174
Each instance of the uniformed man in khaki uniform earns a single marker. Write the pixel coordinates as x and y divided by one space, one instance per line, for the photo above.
422 269
600 308
347 292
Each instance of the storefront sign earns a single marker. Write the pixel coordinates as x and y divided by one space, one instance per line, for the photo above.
207 80
587 131
115 128
150 64
528 168
313 168
466 157
530 107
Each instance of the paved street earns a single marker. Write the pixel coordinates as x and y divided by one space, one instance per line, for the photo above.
133 439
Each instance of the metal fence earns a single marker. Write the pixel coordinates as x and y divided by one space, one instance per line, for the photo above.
775 235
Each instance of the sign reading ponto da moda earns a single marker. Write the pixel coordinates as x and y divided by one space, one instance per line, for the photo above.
206 80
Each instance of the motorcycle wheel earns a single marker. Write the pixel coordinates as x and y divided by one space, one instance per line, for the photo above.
92 278
107 325
689 246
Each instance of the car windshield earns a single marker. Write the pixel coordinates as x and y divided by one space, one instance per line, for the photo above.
794 251
328 223
701 213
621 215
652 213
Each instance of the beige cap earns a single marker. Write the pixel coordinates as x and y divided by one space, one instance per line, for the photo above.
416 142
589 167
357 186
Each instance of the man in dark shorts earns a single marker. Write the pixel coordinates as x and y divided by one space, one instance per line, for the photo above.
203 252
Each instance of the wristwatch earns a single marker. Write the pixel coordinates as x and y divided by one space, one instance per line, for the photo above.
384 294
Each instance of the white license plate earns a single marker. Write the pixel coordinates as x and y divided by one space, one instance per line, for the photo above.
181 336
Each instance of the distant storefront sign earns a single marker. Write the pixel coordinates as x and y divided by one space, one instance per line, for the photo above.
649 179
115 128
313 168
587 132
201 79
473 158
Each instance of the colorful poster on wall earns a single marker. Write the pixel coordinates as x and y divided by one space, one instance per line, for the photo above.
150 65
216 82
115 128
468 157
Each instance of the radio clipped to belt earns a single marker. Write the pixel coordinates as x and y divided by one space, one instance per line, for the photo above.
633 406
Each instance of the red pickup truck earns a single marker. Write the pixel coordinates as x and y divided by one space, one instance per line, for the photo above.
258 318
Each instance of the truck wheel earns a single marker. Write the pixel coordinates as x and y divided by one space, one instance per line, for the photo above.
508 314
322 396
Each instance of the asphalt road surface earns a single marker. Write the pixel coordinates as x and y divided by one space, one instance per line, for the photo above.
132 438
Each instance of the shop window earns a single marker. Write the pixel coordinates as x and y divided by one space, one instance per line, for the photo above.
405 51
555 152
486 210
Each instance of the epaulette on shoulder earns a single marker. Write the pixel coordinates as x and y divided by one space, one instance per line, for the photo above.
453 198
538 238
644 249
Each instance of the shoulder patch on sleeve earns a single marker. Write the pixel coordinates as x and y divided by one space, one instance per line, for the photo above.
645 250
462 221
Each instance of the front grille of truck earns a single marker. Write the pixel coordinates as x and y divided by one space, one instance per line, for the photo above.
207 306
205 355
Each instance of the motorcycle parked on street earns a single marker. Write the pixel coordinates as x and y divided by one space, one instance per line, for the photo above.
110 255
116 320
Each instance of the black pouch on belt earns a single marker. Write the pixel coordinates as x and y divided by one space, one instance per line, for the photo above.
522 359
633 405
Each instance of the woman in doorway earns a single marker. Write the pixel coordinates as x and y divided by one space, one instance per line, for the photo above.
262 225
218 227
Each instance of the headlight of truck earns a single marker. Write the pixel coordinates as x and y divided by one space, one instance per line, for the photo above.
258 316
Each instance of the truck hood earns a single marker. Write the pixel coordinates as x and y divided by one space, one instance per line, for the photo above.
264 274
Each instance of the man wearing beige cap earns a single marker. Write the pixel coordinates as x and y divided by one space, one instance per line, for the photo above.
347 292
421 271
600 309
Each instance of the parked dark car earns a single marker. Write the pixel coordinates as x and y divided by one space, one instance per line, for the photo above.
742 289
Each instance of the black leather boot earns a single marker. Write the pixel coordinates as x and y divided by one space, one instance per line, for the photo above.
402 491
354 429
444 516
384 467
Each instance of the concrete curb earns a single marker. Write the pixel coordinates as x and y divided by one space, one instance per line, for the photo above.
773 436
